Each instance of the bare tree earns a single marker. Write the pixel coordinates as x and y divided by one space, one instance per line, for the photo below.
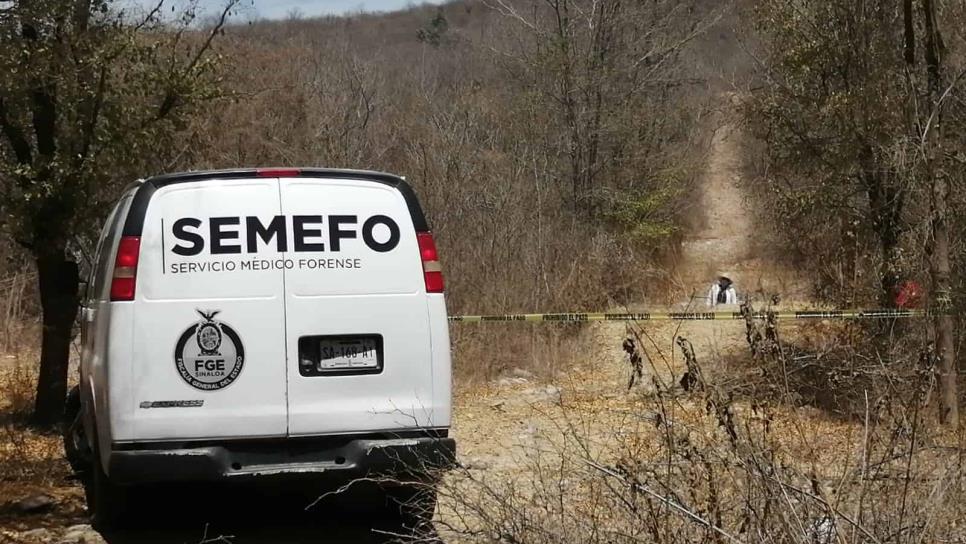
601 71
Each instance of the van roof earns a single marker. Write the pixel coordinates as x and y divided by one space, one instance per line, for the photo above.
134 224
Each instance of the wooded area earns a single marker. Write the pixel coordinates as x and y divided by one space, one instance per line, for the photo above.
860 107
557 147
554 143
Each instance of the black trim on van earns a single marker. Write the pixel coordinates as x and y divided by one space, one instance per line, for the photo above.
342 459
134 224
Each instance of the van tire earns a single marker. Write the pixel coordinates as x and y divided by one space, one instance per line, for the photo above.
76 448
106 501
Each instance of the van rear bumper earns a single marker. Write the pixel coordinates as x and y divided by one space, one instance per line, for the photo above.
416 458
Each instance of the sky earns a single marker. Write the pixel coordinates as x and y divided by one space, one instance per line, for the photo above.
280 9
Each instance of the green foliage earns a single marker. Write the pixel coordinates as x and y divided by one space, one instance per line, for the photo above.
841 111
90 97
645 217
434 32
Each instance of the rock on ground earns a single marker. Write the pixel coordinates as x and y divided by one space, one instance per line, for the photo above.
81 534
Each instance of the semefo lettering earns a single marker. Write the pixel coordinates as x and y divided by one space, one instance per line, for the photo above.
307 233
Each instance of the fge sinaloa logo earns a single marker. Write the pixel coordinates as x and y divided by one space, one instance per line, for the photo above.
209 355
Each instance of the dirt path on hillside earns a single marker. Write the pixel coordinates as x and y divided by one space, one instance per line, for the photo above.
502 426
728 240
724 240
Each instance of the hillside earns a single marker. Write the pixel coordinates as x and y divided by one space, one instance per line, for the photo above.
572 155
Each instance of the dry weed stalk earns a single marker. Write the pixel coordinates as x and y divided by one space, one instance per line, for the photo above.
16 294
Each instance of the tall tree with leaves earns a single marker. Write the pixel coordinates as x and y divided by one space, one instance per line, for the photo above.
927 106
856 104
829 107
87 90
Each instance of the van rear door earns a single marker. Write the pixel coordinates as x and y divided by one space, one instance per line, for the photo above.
209 343
357 324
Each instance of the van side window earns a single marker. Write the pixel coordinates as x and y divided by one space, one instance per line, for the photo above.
103 265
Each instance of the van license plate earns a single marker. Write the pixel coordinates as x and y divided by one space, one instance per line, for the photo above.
355 353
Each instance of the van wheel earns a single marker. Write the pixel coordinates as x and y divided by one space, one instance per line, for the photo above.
106 501
76 448
414 504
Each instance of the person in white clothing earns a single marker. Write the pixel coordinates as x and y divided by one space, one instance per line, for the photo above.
722 292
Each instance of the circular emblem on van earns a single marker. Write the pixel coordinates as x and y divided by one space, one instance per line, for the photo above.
209 338
209 355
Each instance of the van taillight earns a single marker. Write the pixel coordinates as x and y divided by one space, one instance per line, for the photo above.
125 268
277 172
432 271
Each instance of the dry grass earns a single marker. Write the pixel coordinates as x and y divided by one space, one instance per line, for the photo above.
721 463
494 350
17 386
31 462
736 457
16 292
19 340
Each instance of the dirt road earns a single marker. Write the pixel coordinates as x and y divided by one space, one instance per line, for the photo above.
501 425
724 241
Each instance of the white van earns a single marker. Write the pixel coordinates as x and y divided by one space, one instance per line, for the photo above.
246 324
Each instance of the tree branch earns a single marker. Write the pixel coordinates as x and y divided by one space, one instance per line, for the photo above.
14 135
909 33
150 16
171 98
82 15
215 30
44 110
44 120
90 124
937 107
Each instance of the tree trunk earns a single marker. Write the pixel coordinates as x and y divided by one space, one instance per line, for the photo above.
948 373
889 271
942 322
886 205
59 281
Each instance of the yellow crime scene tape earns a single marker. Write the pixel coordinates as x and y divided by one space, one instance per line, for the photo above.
575 317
